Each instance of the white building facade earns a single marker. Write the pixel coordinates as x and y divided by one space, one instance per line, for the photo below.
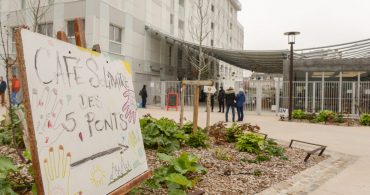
120 28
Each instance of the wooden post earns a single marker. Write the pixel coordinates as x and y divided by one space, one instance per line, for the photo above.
208 109
61 35
28 113
79 32
196 105
183 89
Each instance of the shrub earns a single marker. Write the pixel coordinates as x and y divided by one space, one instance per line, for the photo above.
11 133
233 132
365 119
187 128
298 114
197 139
162 134
217 131
6 169
325 116
250 142
249 127
338 118
310 116
221 154
180 173
262 158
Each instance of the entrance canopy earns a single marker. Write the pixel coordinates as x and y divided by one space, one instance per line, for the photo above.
272 61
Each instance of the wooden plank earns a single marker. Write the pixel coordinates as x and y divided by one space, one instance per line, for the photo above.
79 32
61 35
28 113
132 184
183 89
196 105
197 82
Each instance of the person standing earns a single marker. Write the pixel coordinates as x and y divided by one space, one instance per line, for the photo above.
16 86
221 100
240 99
212 101
143 95
230 103
2 91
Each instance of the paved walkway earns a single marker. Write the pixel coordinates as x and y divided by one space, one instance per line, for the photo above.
354 141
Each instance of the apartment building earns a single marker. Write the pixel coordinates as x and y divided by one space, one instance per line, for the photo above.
121 29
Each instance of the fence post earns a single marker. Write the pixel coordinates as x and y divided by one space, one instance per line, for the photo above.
358 92
322 90
340 92
259 98
314 97
163 94
306 94
353 97
277 96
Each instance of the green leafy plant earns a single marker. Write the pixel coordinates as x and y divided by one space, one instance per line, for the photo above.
250 142
272 148
310 116
257 172
262 158
179 174
11 132
338 118
6 169
298 114
161 134
325 116
365 119
233 132
221 154
197 139
188 128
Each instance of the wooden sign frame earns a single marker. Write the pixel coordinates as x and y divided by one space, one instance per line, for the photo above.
124 189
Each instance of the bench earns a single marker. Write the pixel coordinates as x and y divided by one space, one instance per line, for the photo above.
321 148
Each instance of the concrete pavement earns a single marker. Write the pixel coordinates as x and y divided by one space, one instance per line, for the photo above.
353 141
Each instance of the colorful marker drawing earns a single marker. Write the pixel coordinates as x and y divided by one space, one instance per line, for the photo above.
129 106
49 108
57 171
98 177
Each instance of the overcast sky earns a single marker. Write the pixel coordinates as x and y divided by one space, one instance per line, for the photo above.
321 22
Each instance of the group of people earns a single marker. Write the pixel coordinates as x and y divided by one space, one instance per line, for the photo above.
16 86
232 101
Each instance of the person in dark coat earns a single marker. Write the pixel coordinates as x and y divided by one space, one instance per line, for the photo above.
2 91
143 95
240 99
221 100
230 103
212 101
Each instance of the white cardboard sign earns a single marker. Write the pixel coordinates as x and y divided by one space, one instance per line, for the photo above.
84 115
209 89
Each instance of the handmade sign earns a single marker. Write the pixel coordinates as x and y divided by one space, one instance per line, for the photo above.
172 100
82 111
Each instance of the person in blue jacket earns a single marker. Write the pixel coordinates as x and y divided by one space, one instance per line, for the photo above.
240 99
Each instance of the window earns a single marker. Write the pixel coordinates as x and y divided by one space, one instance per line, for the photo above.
212 25
212 8
46 29
181 3
71 30
171 18
231 26
23 4
14 49
115 33
231 39
115 39
212 42
169 55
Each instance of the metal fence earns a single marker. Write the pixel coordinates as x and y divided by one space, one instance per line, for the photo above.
268 96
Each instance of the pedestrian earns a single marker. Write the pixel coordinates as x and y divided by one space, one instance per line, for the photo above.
2 91
230 103
16 86
221 100
240 99
143 95
212 101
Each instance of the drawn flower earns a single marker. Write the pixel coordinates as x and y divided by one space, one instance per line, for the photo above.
98 176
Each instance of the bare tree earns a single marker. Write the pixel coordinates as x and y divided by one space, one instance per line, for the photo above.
201 28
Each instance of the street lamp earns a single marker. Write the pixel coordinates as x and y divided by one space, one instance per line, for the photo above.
291 41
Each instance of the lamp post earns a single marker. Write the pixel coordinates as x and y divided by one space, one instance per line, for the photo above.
291 41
